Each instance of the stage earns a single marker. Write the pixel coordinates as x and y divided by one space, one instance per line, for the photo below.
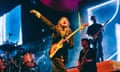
106 66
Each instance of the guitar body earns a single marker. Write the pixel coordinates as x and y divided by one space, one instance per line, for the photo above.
55 47
83 60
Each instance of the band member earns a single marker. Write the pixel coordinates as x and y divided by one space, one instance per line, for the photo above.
60 32
95 30
87 59
28 62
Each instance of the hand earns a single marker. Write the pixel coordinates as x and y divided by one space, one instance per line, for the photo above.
66 40
84 59
36 13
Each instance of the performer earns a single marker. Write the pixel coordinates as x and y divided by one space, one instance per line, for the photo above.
60 31
87 59
95 30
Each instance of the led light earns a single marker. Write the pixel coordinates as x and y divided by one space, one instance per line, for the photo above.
113 55
118 41
43 30
20 37
2 29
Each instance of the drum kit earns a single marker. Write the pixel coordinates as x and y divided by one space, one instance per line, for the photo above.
13 58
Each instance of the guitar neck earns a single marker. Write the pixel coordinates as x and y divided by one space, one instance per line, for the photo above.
73 33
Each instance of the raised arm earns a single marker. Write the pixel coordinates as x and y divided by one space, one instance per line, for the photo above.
43 18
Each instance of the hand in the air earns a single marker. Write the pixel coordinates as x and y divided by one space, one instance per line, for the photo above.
35 12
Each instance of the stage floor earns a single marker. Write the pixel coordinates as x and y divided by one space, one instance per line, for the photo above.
106 66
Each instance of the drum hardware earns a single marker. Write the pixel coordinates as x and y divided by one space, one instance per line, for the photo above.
14 59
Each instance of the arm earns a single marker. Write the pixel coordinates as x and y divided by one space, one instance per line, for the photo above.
7 5
43 18
85 60
88 60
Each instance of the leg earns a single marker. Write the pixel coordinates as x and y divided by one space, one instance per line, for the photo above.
100 47
58 65
95 43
